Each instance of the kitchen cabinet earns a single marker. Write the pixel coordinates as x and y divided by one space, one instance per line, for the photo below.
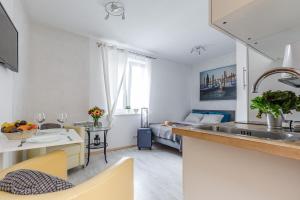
242 71
265 25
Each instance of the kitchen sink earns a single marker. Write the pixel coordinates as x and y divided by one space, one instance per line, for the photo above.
217 128
272 135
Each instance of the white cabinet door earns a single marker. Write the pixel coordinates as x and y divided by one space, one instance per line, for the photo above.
221 8
265 25
242 62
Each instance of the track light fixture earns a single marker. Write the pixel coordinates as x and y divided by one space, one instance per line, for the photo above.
198 49
114 8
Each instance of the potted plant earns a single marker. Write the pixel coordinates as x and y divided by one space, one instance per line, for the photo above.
96 113
128 108
274 104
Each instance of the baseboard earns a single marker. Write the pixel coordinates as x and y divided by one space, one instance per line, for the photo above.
112 149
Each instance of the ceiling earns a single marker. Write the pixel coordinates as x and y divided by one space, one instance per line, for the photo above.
167 28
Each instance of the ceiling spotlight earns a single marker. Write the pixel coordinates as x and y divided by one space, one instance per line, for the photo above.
198 49
114 8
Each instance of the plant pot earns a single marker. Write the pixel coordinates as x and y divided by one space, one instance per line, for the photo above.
274 123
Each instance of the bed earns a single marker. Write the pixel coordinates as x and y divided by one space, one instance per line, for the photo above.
163 134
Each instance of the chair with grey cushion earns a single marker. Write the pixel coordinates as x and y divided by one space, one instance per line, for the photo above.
50 126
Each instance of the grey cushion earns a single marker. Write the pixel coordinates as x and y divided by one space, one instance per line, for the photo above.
28 182
50 126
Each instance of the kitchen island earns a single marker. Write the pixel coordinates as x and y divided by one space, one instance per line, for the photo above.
223 166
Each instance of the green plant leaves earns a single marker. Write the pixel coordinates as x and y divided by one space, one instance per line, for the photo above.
274 101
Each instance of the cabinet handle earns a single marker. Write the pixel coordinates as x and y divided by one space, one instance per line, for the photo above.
244 77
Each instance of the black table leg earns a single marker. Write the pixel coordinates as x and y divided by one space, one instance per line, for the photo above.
89 147
105 144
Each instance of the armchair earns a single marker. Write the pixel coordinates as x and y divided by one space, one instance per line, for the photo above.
113 184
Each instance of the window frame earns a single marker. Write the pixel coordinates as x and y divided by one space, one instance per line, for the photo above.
127 87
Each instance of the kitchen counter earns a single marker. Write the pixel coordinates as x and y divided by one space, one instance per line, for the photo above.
224 166
288 149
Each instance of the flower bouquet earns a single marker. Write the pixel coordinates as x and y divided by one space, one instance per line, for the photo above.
96 113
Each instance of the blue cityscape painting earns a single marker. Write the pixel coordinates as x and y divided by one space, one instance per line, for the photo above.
218 84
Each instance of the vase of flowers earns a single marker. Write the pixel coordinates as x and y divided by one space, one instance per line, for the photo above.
96 113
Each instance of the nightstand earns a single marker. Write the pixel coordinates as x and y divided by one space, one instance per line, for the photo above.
144 138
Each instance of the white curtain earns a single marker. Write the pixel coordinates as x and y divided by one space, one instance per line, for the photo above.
148 83
114 63
139 82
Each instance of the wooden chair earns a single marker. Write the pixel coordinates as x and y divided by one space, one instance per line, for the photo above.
50 126
115 183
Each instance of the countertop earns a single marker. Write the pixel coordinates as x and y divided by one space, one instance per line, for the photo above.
288 149
12 145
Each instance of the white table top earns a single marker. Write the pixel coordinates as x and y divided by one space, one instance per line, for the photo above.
12 145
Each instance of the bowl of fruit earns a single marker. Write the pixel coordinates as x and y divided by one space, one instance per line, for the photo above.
19 130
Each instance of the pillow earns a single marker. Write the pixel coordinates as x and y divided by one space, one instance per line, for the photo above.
212 119
28 182
194 118
226 115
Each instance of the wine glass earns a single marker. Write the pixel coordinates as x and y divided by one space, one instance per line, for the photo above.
40 118
62 118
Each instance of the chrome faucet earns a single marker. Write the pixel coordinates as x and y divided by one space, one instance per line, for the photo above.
279 70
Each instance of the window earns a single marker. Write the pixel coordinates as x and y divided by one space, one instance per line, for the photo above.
135 89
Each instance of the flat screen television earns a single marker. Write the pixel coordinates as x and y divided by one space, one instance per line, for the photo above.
8 42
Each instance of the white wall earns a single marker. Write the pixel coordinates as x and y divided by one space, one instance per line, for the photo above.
59 74
13 85
207 65
170 91
242 65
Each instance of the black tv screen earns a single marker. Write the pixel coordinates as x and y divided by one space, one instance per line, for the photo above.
8 42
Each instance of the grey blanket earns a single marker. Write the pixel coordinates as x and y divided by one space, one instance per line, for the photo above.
165 132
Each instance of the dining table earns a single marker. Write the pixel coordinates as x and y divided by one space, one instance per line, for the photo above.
42 139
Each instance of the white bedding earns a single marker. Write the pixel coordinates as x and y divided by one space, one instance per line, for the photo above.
165 132
185 123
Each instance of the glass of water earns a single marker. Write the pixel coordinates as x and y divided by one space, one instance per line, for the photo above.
62 118
40 118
